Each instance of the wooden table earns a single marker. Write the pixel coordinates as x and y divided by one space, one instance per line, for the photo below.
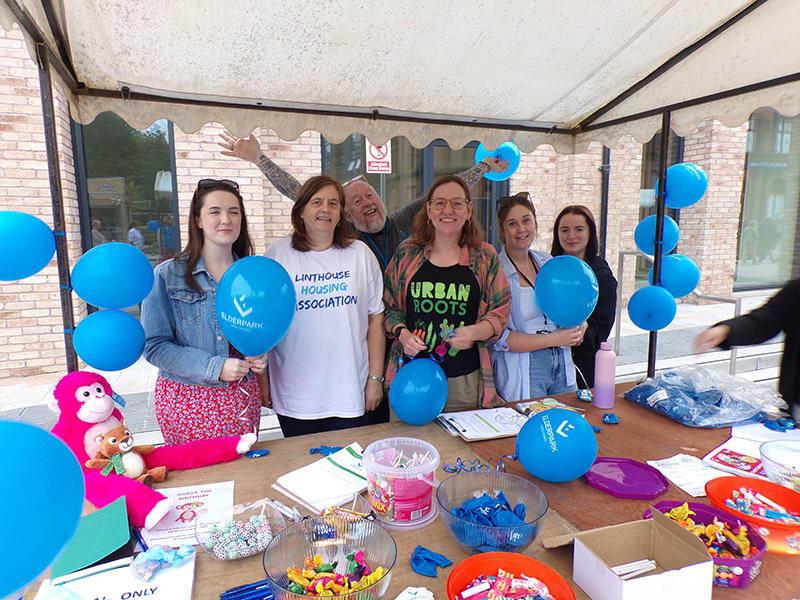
254 476
643 435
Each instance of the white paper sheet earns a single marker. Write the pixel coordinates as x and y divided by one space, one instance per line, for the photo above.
189 502
687 472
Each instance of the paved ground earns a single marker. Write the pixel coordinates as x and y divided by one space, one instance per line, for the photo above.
25 399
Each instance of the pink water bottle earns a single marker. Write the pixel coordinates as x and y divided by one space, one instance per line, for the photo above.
605 370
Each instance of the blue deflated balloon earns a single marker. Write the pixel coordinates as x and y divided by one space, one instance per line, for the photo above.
27 245
556 445
507 151
255 304
652 308
114 275
40 514
109 340
418 392
566 290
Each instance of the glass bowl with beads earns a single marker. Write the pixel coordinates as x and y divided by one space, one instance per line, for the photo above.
239 531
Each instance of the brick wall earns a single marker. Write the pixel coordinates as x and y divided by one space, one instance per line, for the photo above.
31 331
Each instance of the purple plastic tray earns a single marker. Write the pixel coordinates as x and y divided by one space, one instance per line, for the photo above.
626 478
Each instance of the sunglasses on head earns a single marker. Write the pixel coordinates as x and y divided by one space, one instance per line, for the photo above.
518 197
204 184
354 179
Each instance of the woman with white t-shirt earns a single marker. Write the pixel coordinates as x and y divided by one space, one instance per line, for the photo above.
327 371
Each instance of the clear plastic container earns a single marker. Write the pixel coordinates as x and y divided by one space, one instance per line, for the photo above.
401 480
239 531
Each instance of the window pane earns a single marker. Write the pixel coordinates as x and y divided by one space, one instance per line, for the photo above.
400 187
769 203
129 184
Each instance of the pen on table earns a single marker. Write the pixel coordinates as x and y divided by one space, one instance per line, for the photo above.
257 589
457 427
286 511
139 538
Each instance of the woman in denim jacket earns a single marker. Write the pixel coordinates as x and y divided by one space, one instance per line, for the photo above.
205 387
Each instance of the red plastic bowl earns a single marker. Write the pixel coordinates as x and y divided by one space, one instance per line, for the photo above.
489 562
781 538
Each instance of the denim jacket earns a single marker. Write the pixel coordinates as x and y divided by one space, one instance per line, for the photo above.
184 339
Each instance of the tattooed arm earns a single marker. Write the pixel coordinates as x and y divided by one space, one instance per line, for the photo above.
249 149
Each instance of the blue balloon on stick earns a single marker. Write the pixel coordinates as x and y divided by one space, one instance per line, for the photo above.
679 275
27 245
645 235
652 308
507 151
40 514
686 184
154 226
114 275
418 392
109 340
556 445
255 304
566 290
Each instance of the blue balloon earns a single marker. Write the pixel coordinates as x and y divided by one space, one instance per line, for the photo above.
645 235
114 275
153 226
40 514
109 340
652 308
556 445
686 184
418 392
27 244
507 151
566 290
255 304
679 275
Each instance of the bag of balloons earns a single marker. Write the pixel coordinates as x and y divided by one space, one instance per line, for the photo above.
418 392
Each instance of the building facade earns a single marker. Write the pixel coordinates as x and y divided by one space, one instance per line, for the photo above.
124 178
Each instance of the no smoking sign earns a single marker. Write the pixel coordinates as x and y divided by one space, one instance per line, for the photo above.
379 158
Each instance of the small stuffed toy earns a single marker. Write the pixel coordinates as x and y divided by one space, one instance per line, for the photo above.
117 454
83 401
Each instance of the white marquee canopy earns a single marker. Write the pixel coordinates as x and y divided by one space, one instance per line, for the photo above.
558 72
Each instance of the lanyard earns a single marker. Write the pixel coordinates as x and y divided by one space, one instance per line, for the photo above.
383 255
536 270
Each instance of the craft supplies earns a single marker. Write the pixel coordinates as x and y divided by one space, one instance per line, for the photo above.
400 481
475 465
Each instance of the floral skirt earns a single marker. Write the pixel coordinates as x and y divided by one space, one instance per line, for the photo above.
187 412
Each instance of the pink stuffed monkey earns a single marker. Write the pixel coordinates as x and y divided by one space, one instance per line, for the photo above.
86 411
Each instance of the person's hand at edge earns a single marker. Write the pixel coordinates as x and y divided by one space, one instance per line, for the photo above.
711 338
248 149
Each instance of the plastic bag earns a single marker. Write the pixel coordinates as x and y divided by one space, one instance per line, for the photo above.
700 396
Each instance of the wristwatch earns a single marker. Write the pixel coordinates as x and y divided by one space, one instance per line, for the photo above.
377 378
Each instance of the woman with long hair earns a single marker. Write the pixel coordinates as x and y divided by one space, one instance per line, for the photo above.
575 234
532 358
446 296
327 371
205 387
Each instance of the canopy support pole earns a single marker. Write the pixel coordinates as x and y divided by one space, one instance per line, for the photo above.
660 210
57 200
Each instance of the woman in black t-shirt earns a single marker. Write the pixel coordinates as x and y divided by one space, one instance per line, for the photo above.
446 295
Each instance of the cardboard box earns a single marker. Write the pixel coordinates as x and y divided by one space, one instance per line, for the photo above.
685 570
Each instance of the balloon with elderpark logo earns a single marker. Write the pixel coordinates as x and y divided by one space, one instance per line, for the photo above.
255 304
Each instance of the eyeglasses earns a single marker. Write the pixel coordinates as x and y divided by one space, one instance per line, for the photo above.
354 179
210 183
455 203
518 197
